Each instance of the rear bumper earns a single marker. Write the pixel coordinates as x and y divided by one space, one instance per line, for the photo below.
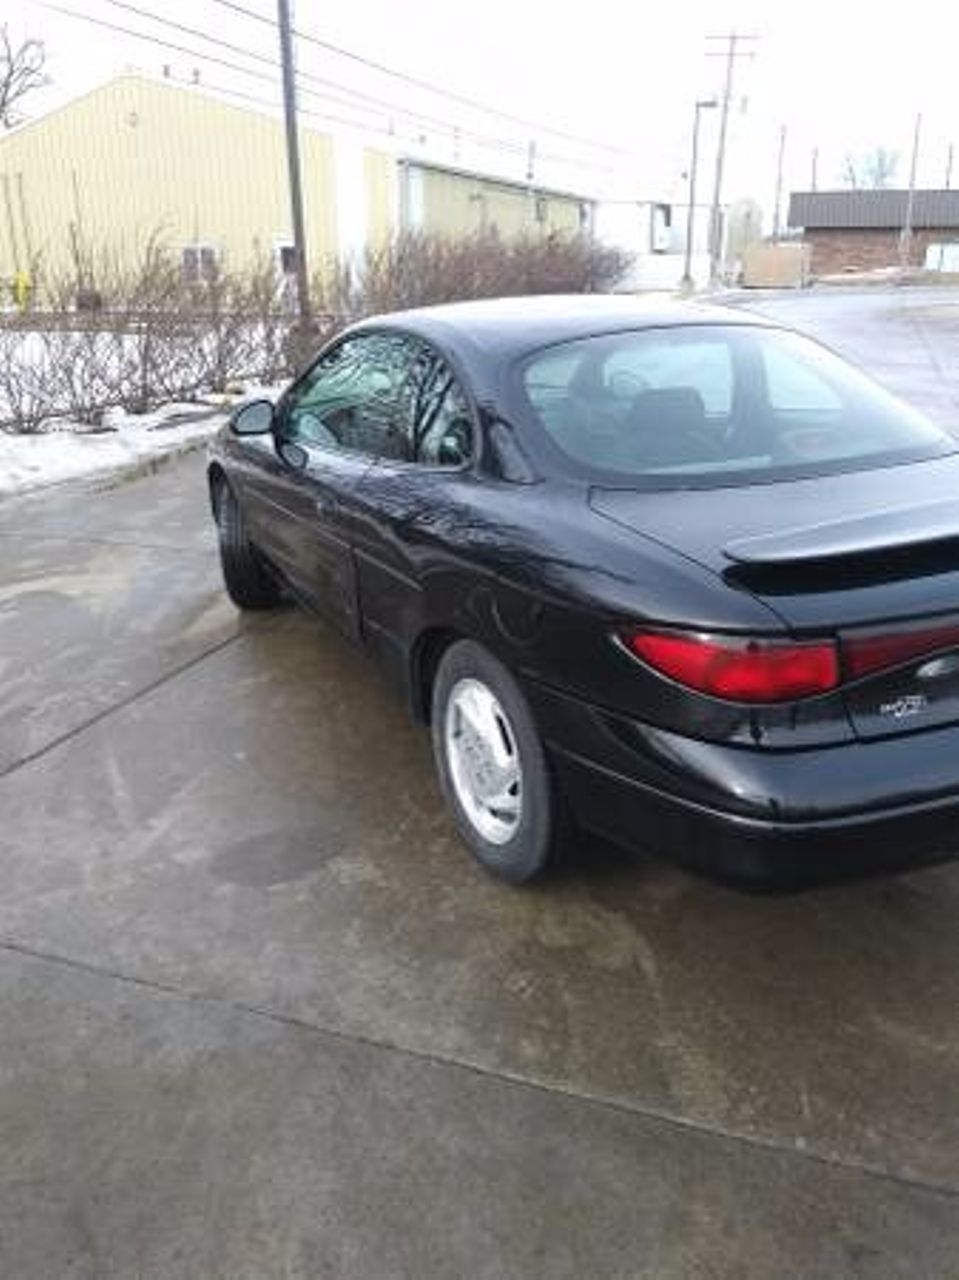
757 818
752 852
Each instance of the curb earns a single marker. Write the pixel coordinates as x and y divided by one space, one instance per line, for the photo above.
114 475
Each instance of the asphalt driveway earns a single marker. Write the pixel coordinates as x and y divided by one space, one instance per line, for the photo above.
260 1017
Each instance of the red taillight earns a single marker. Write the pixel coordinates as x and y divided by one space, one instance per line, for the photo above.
740 669
866 653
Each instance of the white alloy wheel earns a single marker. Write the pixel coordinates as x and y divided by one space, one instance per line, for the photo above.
483 760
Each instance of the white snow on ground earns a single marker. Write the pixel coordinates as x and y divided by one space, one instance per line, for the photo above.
73 452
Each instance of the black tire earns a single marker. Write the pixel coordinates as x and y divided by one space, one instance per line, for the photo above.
541 826
248 583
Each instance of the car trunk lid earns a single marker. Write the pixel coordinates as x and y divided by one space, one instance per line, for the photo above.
871 558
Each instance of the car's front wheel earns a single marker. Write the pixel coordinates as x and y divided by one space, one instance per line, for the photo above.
248 584
492 766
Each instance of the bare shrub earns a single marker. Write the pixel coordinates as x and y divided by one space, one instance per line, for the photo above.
156 352
415 269
77 362
136 335
24 390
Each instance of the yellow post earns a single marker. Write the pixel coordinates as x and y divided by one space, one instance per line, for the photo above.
21 290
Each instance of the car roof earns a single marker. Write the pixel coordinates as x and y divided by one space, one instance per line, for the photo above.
498 330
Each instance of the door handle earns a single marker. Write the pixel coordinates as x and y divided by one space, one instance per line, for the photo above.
326 505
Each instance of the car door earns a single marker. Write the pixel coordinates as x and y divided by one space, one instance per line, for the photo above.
301 503
413 497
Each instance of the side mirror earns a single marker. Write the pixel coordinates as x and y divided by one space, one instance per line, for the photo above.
253 419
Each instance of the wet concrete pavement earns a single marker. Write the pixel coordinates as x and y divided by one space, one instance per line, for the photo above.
261 1017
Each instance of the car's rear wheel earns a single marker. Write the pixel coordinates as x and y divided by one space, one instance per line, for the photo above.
248 583
492 766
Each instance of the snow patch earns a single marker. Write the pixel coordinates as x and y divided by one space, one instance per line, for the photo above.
70 451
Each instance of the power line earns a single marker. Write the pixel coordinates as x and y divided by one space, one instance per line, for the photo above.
255 100
323 93
218 42
163 44
306 113
463 99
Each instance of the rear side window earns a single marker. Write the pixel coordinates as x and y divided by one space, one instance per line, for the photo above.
433 416
701 405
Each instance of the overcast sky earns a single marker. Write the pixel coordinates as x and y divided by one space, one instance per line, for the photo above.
842 78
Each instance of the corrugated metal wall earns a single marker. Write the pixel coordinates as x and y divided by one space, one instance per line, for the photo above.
453 203
138 157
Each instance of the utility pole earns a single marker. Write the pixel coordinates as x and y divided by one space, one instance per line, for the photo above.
905 239
815 169
302 342
948 183
686 283
530 193
777 207
732 52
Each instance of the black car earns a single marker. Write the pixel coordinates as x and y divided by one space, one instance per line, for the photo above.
664 572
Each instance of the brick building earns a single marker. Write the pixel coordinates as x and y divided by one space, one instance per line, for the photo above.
861 230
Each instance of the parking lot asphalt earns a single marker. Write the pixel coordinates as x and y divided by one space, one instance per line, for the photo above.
261 1017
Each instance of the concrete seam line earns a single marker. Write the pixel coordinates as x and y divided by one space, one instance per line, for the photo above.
945 1190
117 706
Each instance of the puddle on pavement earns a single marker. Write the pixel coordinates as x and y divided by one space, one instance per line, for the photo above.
275 857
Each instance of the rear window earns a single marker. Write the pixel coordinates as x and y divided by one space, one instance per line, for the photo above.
715 404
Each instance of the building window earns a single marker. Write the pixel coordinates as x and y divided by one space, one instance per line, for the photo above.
660 225
199 263
542 209
286 259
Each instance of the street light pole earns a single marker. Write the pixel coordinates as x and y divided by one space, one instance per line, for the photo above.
777 208
305 325
686 283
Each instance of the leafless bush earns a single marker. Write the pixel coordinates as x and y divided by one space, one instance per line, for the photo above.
24 394
158 356
77 365
116 333
415 269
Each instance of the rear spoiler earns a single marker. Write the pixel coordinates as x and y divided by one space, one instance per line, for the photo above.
888 531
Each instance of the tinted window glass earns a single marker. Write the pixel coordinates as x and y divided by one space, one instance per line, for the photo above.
389 395
706 404
794 387
705 366
433 413
349 399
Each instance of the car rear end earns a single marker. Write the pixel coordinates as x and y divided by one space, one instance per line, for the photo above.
819 738
774 758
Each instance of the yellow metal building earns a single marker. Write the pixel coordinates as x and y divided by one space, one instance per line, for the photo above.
451 201
138 157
